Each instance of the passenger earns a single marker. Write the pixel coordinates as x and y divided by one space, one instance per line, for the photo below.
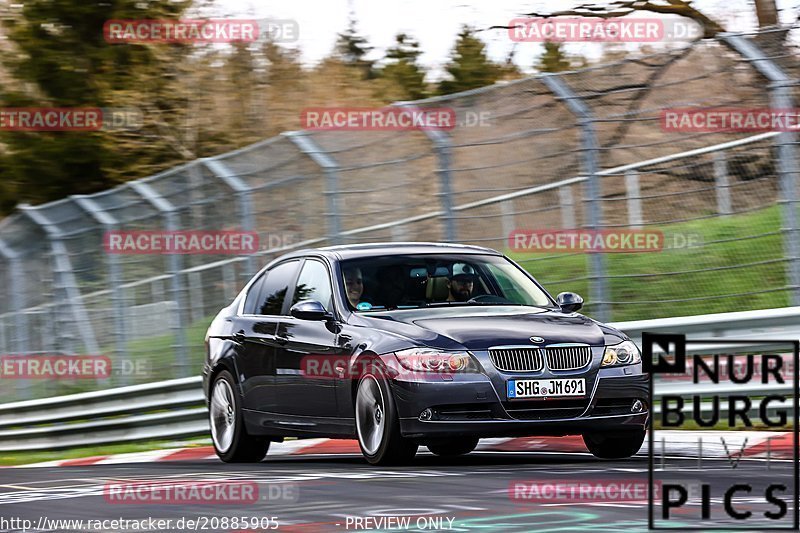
354 285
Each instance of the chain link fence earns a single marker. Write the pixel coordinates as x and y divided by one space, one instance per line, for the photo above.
584 149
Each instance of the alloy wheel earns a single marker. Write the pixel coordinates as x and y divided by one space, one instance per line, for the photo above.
370 414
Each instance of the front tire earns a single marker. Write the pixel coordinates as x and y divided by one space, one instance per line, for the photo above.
378 424
452 447
615 445
230 438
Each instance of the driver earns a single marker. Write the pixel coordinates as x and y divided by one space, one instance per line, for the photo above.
460 282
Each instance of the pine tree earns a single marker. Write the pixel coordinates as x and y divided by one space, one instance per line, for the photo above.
403 70
469 67
553 59
57 56
352 49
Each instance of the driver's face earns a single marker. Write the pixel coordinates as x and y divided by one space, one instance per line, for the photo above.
460 290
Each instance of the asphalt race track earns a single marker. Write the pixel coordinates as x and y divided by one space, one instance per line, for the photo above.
330 493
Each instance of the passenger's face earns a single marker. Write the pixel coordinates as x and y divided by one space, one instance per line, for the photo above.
354 284
461 290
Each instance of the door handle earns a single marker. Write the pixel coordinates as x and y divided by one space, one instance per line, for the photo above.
239 336
344 341
281 340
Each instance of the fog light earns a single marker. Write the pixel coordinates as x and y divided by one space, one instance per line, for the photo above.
637 407
427 414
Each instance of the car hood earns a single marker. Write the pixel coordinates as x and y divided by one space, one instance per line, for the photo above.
478 328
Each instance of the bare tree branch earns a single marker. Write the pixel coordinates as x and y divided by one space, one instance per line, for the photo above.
622 8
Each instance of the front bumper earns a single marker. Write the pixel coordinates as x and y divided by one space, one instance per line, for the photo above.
470 405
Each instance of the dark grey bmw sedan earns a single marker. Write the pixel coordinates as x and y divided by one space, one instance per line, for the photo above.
402 345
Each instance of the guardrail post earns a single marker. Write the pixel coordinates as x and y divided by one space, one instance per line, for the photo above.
65 276
330 167
592 187
109 223
169 214
780 95
634 194
243 197
16 285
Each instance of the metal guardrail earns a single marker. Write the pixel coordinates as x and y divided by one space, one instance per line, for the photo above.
176 408
162 410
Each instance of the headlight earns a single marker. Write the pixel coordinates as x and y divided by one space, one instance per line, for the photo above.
429 360
624 353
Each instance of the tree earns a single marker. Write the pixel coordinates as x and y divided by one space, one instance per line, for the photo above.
766 12
403 70
352 49
56 56
469 67
509 69
553 59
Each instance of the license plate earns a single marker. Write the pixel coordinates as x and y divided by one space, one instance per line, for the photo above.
546 388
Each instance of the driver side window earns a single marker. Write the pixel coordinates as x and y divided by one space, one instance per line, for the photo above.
314 283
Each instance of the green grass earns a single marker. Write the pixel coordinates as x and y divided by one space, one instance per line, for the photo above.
645 297
20 458
159 352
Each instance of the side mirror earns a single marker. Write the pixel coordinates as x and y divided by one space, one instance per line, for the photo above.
309 310
569 301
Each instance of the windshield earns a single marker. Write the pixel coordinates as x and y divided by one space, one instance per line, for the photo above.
414 281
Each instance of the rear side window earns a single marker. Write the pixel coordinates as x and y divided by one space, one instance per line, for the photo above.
274 288
314 284
252 300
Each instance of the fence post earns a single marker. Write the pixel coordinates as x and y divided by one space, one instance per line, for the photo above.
330 167
722 184
444 164
444 157
567 203
65 276
592 187
634 193
195 298
228 280
109 223
243 198
169 214
16 281
507 220
780 97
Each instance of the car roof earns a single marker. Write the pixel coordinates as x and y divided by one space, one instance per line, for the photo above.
353 251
